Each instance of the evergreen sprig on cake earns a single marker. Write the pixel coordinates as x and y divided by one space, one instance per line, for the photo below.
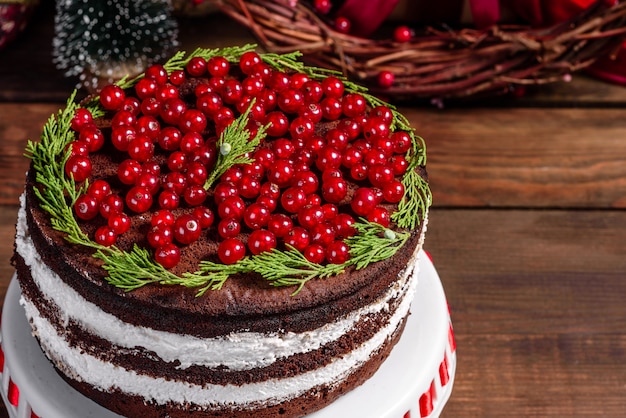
242 158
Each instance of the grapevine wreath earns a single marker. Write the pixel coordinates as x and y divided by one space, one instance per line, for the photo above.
437 63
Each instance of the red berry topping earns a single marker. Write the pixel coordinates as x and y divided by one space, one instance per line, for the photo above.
168 255
261 241
363 201
119 223
105 236
112 97
386 79
139 199
187 229
228 227
231 250
402 34
78 167
337 252
315 253
343 24
86 207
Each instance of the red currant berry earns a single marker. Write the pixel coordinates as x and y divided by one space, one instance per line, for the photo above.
330 211
167 255
379 175
249 187
157 73
343 24
375 127
223 190
313 91
298 238
110 204
165 92
261 241
105 236
194 195
344 225
351 157
293 199
138 199
279 224
328 158
315 253
306 180
333 87
256 216
279 81
78 167
265 157
310 215
82 117
123 118
99 189
162 217
322 233
191 142
358 171
231 250
129 171
353 105
77 148
248 60
269 202
337 252
187 229
112 97
177 77
120 137
380 215
177 161
281 173
204 215
196 66
146 88
119 222
172 110
290 101
393 191
209 103
169 138
231 207
159 235
132 105
401 142
141 148
218 66
228 228
331 108
334 190
363 201
86 207
278 123
148 126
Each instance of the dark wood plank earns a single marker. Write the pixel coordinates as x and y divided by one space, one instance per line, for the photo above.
526 157
537 307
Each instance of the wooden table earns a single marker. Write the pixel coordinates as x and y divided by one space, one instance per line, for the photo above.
527 231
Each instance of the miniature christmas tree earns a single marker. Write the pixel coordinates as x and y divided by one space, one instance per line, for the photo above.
101 41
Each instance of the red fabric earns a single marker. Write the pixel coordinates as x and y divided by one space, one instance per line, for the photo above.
366 16
485 12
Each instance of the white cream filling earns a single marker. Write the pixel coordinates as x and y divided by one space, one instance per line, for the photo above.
238 351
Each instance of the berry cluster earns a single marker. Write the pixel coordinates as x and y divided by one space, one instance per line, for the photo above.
327 158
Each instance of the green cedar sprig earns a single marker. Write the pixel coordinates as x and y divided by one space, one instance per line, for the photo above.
233 145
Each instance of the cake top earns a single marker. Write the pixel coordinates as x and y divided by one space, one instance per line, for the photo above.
226 161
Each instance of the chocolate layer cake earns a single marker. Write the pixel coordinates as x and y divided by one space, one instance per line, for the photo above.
279 286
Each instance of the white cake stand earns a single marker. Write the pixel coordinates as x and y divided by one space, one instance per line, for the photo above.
414 382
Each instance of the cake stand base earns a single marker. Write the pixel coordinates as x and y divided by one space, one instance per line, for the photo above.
414 382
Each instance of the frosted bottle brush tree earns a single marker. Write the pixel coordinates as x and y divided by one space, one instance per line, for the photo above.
101 41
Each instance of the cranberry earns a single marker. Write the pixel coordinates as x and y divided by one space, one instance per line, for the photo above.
168 255
78 167
261 241
139 199
337 252
231 250
86 207
112 97
228 228
105 236
187 229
